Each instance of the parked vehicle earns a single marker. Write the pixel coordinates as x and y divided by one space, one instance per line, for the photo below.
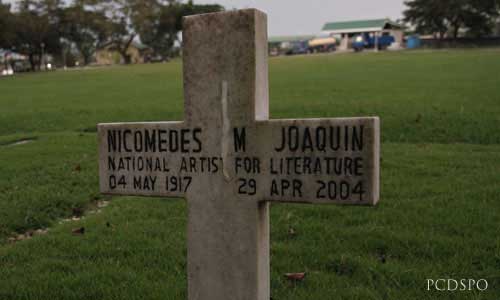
297 48
367 41
322 44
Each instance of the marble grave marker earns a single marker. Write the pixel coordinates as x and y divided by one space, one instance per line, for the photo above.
230 161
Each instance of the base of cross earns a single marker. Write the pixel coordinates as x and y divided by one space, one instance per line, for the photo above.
230 161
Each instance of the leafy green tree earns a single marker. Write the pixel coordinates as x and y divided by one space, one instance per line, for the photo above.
193 9
36 30
159 29
441 16
145 22
6 26
159 23
119 25
427 15
480 17
86 29
41 27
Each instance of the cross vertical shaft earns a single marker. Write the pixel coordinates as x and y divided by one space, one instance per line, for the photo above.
225 85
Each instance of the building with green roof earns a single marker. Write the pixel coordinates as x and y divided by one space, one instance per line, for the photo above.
348 29
360 26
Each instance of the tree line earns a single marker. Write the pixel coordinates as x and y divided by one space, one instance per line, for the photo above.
38 27
448 17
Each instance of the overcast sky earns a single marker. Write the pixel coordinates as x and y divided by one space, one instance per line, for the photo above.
295 17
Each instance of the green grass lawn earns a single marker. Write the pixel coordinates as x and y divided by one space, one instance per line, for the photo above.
438 217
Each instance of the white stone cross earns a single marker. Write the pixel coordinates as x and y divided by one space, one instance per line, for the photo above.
229 161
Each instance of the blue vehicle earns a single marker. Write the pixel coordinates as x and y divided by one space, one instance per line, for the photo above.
299 47
367 41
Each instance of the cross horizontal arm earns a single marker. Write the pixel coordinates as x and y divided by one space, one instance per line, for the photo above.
152 159
309 160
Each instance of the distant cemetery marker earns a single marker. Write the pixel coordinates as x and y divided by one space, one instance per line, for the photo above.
229 160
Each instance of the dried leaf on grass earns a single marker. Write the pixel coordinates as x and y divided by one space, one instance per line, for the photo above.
295 276
78 231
